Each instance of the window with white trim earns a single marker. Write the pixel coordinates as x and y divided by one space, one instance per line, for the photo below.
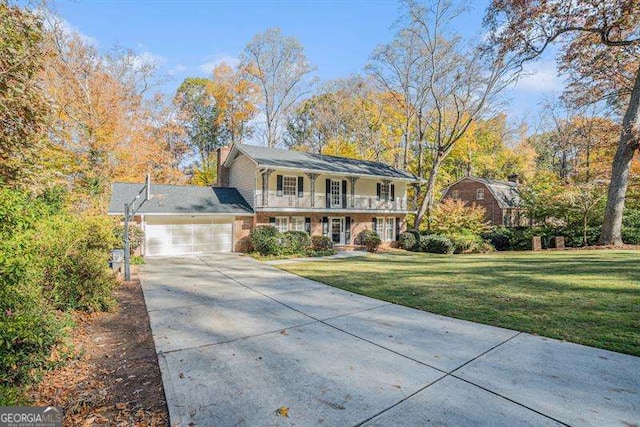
480 193
385 191
380 227
297 223
391 230
282 223
290 185
336 194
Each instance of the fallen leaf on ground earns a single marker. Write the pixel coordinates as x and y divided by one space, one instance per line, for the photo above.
283 411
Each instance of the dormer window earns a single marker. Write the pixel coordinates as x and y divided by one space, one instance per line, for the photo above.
455 194
480 194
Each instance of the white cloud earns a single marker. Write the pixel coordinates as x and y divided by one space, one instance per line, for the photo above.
177 69
540 77
52 21
147 57
215 60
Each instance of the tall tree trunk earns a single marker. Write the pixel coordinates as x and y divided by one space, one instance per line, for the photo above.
427 202
629 143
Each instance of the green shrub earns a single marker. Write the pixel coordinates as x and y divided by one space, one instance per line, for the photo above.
73 260
467 243
409 240
436 244
499 238
137 260
321 243
136 236
48 259
631 236
295 242
28 325
574 236
369 239
631 227
264 239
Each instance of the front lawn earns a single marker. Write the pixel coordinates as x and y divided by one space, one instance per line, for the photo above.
587 297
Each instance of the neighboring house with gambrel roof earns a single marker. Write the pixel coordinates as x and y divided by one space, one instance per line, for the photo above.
500 199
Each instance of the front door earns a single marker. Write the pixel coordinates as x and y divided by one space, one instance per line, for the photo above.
337 231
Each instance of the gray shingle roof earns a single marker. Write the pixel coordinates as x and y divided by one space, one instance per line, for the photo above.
276 158
180 199
505 192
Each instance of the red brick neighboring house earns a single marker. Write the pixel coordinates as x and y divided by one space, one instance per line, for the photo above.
500 199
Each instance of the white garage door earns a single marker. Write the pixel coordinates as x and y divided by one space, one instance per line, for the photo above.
182 235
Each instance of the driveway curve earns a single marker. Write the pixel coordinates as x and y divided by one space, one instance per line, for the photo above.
243 343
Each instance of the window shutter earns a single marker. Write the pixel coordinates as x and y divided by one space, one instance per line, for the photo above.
393 192
325 226
397 228
307 225
328 190
378 190
272 221
300 186
279 185
347 230
375 224
344 194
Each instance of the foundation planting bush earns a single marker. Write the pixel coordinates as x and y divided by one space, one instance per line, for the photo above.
369 239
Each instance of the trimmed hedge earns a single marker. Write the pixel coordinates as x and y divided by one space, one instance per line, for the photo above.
295 242
466 243
369 239
321 243
410 240
436 244
264 239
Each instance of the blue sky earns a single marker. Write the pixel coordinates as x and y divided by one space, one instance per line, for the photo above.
188 38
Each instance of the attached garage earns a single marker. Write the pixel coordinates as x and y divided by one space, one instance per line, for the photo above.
186 219
183 235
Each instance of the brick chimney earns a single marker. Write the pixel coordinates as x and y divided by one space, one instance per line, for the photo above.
223 172
514 177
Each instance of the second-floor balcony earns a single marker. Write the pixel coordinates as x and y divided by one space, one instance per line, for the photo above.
320 201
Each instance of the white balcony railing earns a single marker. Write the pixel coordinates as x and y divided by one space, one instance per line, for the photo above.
358 202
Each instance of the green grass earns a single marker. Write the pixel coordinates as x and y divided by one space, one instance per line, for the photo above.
587 297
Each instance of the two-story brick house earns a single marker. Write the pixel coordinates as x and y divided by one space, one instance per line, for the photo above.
500 199
322 195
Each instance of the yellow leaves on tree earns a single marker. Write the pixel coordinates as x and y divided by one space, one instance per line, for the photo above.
103 129
236 99
455 216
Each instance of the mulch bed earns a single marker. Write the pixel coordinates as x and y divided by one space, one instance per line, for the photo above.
114 379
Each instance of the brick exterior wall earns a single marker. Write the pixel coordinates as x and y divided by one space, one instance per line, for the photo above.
359 221
242 227
467 193
223 172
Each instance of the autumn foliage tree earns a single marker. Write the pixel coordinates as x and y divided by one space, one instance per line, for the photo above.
103 127
213 112
600 42
23 107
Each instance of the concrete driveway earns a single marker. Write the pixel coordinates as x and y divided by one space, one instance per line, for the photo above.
237 339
